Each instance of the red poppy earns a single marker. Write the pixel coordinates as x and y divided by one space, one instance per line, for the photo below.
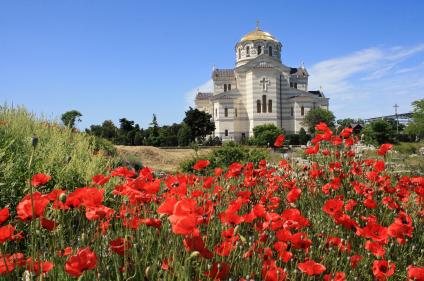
119 245
65 252
184 217
375 248
354 260
152 187
4 215
416 273
383 269
6 233
346 132
7 264
374 231
100 179
201 164
279 141
293 195
85 259
24 208
195 243
384 148
333 206
321 127
123 172
40 179
38 267
338 276
218 271
48 224
310 267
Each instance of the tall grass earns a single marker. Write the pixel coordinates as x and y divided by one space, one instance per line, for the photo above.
69 157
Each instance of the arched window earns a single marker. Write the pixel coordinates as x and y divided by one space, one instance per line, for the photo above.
226 112
229 87
269 105
302 111
247 51
225 87
239 53
258 106
270 51
292 111
226 133
259 50
216 112
235 112
264 103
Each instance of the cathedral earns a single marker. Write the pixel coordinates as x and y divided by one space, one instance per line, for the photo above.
259 90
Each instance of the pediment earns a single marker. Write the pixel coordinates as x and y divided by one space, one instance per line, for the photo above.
263 62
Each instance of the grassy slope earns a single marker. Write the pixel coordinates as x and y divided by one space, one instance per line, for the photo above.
69 157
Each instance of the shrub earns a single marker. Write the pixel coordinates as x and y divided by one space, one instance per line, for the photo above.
265 135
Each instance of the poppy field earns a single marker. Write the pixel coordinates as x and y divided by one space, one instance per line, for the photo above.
341 216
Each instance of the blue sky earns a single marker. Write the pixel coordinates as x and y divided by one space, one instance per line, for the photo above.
112 59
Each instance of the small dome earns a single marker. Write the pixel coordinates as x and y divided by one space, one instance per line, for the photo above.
258 35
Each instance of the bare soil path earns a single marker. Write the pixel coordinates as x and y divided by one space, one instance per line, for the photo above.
167 160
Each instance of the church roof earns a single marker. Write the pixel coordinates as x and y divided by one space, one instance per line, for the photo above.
203 96
300 71
317 93
223 73
300 93
258 35
228 95
264 64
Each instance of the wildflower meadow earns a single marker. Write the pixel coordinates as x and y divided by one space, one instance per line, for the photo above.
341 215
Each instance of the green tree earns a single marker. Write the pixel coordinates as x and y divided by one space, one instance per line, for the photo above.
184 135
266 134
303 137
153 133
416 127
380 131
317 115
200 124
70 117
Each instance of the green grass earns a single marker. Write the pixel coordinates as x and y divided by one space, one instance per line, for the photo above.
70 157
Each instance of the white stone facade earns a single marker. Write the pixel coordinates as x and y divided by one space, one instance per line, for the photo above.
259 90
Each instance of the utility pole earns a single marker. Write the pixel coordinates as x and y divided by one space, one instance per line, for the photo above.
397 118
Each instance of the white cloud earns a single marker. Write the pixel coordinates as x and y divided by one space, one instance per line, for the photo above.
369 82
205 87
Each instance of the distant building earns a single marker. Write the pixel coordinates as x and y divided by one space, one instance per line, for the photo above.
259 90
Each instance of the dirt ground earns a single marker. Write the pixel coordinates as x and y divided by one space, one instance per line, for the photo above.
159 159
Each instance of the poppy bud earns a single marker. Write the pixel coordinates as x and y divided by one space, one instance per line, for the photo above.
242 239
62 197
236 230
34 141
194 254
147 272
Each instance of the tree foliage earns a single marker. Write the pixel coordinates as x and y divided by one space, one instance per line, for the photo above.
317 115
380 131
70 117
200 123
416 127
266 134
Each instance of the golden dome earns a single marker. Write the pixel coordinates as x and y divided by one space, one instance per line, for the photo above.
258 35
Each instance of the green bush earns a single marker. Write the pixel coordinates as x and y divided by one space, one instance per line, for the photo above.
408 148
265 135
70 157
229 153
